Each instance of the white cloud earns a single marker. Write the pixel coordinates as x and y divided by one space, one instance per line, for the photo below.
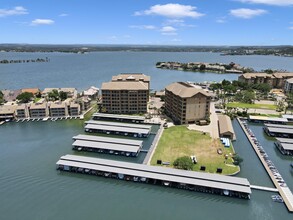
176 40
168 30
18 10
145 27
247 13
270 2
172 11
42 22
291 28
221 21
63 15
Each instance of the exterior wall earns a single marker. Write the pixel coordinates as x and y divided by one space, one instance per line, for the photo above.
197 108
74 111
125 101
58 112
187 110
39 113
288 88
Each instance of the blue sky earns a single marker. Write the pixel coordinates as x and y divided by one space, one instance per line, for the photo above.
181 22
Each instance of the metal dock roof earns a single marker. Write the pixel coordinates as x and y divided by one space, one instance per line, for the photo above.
287 146
108 140
279 126
265 118
285 140
119 124
106 146
196 178
130 117
117 129
280 130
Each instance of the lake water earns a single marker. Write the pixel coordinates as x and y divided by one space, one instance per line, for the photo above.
31 188
83 70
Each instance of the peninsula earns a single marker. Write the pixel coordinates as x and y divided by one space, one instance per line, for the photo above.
205 67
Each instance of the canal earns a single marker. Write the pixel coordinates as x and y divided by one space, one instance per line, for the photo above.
31 188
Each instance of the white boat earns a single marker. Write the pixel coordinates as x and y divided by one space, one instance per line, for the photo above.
226 192
45 119
277 198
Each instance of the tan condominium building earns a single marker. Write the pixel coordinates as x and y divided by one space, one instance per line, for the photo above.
58 109
275 80
186 104
125 97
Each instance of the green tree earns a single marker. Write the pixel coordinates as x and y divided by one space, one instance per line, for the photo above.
290 100
183 163
53 95
280 105
248 97
237 159
62 95
202 67
25 97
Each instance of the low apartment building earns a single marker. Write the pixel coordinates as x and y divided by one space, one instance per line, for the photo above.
7 112
275 80
257 78
71 92
58 109
186 104
74 109
22 111
39 110
125 97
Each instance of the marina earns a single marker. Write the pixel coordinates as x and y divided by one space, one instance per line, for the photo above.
270 168
194 181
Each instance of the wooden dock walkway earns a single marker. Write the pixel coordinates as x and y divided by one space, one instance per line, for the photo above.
285 192
264 188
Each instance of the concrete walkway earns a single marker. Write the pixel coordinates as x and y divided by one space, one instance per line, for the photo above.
212 128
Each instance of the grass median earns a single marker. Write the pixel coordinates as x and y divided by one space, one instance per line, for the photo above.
178 141
254 106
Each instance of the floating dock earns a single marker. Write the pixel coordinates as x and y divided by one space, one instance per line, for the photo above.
190 180
284 191
122 118
284 131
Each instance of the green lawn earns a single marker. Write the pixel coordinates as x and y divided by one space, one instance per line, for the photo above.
246 105
178 141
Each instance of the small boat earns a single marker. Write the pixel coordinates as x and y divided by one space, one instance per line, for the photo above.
277 198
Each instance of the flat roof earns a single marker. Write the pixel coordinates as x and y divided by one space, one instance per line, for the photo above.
265 118
131 117
108 140
287 146
285 140
106 146
118 129
280 130
117 124
279 126
166 174
287 116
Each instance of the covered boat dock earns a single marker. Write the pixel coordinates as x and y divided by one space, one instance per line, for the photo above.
285 145
265 119
125 131
122 118
284 131
190 180
117 124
